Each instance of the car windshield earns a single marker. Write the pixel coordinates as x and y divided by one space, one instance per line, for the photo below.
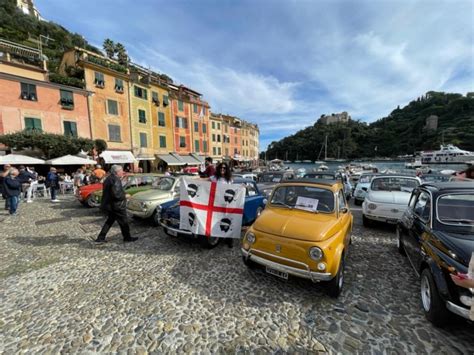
456 209
164 183
309 198
394 184
321 176
135 181
365 179
272 177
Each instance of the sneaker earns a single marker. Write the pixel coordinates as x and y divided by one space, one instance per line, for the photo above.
131 239
29 201
99 241
55 200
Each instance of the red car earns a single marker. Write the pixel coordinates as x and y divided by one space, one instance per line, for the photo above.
84 193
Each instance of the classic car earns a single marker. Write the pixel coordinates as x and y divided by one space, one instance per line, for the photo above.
361 188
144 204
132 185
269 179
304 231
387 198
169 213
250 176
84 194
333 175
436 233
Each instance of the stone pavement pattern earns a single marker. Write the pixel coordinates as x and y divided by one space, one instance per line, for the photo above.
162 294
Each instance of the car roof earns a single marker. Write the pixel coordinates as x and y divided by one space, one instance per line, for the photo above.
241 180
333 184
395 175
450 185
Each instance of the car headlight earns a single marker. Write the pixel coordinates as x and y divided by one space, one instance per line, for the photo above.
316 253
250 238
371 206
144 205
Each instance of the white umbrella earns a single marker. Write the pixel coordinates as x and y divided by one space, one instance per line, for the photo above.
17 159
70 160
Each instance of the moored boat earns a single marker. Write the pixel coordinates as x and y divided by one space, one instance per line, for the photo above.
447 154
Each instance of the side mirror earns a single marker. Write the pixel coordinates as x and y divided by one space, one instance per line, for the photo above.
364 189
344 210
265 201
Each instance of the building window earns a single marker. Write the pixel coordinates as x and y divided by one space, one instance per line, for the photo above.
70 129
214 151
99 80
213 137
162 141
195 108
196 145
28 92
218 125
67 99
219 150
33 124
227 151
119 85
165 100
161 119
196 127
182 142
140 92
218 137
204 111
235 151
204 128
180 105
143 142
225 128
204 146
141 116
154 98
114 133
112 107
213 125
181 122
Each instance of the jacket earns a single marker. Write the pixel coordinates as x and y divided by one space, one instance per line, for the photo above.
113 195
52 180
26 176
11 187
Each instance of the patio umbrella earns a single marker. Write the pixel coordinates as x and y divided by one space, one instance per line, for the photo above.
70 160
17 159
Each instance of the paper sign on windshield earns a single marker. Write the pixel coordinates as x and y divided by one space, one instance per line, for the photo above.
307 204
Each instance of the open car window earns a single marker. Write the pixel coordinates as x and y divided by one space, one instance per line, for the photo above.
250 189
456 209
394 184
423 206
309 198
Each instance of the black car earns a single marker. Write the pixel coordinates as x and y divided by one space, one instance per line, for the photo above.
332 175
269 179
436 232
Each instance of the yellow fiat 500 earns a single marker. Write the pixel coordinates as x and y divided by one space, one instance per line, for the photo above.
304 231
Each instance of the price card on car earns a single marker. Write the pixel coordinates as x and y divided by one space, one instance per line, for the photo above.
282 275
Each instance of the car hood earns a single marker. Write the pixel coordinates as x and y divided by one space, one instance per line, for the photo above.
297 224
461 246
398 197
152 194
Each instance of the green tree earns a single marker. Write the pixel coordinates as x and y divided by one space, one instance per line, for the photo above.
109 48
122 55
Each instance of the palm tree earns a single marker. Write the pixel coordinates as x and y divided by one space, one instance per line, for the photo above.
122 55
109 48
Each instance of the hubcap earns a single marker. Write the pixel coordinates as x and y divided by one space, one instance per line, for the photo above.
426 294
341 277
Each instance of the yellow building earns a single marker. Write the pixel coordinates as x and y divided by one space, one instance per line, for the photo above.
217 138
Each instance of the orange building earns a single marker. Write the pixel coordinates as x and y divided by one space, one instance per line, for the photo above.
200 130
28 101
109 102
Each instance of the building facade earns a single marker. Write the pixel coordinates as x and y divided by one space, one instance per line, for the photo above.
217 138
342 117
109 103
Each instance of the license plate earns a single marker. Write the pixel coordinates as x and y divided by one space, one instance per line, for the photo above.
282 275
173 233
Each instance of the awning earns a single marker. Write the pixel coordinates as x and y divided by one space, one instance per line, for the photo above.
198 157
145 157
117 156
170 159
189 159
70 160
15 159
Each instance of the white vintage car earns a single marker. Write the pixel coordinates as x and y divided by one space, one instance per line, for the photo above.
387 198
362 187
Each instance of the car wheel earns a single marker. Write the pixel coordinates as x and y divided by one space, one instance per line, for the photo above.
433 306
357 202
335 285
367 222
210 242
249 263
89 201
400 247
155 219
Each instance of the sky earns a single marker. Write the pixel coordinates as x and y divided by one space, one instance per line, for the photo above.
284 63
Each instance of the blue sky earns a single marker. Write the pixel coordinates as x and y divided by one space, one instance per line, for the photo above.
281 63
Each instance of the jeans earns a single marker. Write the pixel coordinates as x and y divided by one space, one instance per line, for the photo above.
31 189
121 218
53 193
13 204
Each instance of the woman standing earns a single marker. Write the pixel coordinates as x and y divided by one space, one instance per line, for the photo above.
12 187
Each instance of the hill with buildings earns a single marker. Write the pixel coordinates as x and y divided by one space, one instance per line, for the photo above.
423 124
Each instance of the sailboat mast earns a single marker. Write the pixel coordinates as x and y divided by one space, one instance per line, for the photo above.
326 148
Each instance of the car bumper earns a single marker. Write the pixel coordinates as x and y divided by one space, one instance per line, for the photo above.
140 214
305 274
460 311
391 220
176 230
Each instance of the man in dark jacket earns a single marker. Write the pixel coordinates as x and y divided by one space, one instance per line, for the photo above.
114 202
12 188
3 175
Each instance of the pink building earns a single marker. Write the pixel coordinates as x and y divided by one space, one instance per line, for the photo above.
35 104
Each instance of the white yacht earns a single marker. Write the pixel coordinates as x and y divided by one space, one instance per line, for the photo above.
448 154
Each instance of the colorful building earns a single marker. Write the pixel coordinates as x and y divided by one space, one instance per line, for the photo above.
216 141
109 102
29 101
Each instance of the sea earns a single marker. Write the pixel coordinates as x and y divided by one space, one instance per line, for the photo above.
396 166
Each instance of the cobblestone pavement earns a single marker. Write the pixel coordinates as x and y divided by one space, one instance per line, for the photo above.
162 294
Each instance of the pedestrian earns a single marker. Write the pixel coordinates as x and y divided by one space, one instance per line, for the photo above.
12 187
98 172
210 169
78 177
168 172
3 174
52 182
114 201
87 178
26 179
466 281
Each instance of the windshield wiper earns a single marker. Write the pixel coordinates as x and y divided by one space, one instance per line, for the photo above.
468 221
282 203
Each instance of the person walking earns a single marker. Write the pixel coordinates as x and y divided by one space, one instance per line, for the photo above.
12 187
52 181
3 175
210 168
114 202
